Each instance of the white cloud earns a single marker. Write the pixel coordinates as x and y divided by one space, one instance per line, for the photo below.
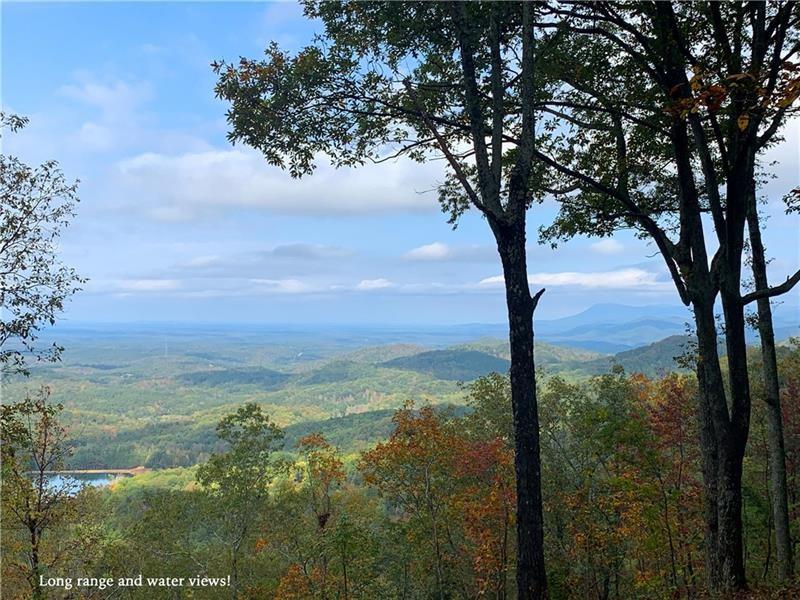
149 285
282 286
434 251
305 251
113 99
199 184
608 246
95 136
495 281
439 252
116 108
202 261
222 285
622 278
374 284
283 261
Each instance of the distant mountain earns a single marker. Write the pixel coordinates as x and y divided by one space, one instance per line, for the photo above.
453 364
616 313
618 336
351 432
356 431
653 360
614 327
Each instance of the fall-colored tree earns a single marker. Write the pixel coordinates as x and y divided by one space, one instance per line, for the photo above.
666 109
35 503
413 471
675 465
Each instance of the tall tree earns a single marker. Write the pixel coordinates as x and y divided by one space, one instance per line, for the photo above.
449 80
34 444
37 204
414 468
772 397
236 480
665 108
324 472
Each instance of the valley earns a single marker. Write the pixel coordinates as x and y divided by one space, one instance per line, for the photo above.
151 394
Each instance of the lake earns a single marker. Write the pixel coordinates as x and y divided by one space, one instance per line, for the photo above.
78 482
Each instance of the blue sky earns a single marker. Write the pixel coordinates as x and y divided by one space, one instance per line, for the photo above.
175 224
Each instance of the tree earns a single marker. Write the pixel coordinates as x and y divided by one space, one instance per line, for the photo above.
450 488
485 505
451 80
34 444
772 398
37 204
663 111
789 370
594 440
324 471
671 415
413 470
489 400
236 480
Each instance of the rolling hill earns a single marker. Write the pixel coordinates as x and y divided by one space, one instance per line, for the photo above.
546 354
451 365
653 360
263 378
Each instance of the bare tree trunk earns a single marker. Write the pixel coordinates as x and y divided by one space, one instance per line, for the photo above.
35 567
722 452
777 451
731 528
531 579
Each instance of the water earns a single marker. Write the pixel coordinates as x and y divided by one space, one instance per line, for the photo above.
75 483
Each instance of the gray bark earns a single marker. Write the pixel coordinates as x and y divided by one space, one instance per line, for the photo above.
775 442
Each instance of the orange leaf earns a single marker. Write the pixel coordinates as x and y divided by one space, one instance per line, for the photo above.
743 121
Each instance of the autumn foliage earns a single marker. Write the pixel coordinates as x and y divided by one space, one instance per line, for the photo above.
430 511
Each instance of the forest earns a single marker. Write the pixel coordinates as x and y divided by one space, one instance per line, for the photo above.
427 511
641 457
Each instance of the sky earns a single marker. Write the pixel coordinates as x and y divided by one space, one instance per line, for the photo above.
175 224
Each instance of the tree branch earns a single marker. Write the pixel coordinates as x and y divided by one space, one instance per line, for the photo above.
445 148
771 292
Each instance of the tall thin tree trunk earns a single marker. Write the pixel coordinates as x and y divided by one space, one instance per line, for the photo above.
35 569
772 398
344 572
707 377
722 452
731 528
531 578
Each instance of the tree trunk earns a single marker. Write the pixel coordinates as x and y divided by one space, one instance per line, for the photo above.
777 451
731 545
531 579
234 575
35 571
722 451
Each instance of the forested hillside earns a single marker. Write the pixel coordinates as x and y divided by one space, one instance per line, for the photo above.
127 403
354 505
